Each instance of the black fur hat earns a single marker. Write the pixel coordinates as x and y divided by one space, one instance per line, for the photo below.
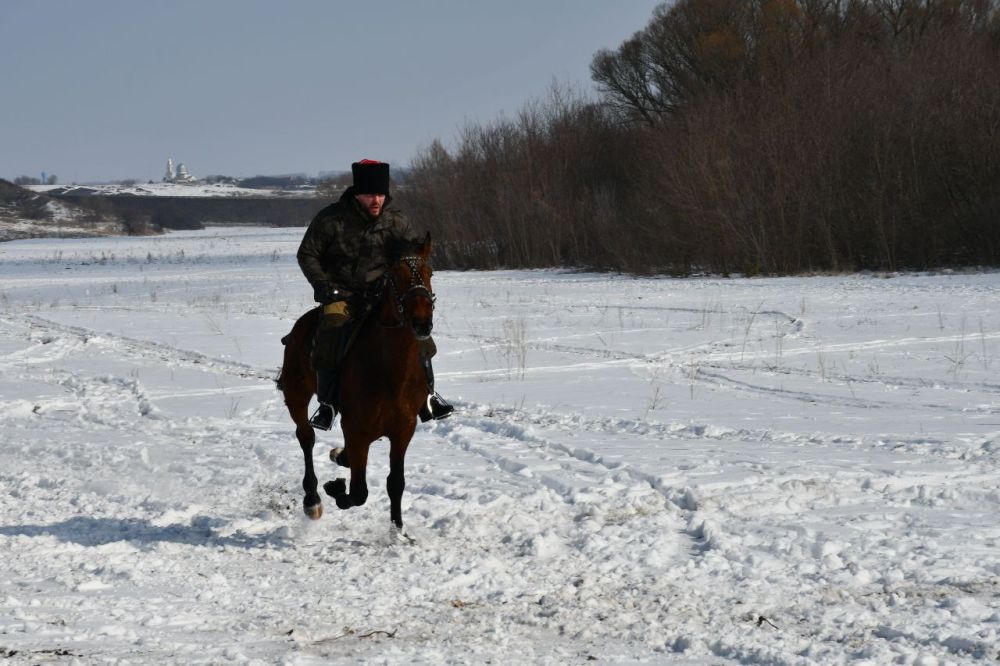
370 177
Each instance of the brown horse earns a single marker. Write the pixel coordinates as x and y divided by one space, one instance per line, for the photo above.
382 383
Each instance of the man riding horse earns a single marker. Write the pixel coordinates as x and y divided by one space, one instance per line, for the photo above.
342 253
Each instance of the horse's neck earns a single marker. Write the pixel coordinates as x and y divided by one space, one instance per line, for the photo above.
393 349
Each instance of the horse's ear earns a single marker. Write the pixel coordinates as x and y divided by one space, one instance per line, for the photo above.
425 247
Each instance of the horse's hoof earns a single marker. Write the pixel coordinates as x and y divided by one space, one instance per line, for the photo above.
398 535
336 487
315 511
337 456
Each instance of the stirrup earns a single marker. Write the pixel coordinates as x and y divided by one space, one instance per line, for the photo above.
323 418
435 408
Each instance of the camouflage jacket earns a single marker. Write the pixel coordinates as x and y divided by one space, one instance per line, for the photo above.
346 247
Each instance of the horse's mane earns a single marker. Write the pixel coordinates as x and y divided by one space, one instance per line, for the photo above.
398 247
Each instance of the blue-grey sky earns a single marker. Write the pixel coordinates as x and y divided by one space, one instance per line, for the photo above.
108 89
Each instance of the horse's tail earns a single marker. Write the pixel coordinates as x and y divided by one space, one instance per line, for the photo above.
277 380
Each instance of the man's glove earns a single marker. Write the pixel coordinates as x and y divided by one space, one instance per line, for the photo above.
325 292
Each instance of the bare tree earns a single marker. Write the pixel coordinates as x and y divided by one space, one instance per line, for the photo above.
753 136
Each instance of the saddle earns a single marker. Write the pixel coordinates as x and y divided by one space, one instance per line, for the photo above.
330 351
327 341
332 342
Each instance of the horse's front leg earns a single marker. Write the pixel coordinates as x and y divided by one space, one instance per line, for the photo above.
357 456
311 504
395 483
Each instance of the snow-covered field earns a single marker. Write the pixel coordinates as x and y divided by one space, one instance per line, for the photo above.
700 471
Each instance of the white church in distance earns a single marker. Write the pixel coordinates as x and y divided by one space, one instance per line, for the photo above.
181 175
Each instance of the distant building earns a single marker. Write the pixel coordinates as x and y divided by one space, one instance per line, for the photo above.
180 175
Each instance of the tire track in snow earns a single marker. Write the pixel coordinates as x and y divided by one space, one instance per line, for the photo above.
675 431
710 355
512 432
709 347
705 529
722 380
884 380
510 454
611 529
139 349
115 401
701 520
590 352
144 350
983 448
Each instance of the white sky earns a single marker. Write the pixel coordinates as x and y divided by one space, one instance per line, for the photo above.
109 89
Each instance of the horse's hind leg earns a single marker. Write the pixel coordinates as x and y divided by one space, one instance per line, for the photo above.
298 383
311 504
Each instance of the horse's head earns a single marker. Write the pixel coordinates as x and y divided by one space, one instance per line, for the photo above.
409 299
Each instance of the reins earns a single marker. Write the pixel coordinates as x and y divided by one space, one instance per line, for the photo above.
416 286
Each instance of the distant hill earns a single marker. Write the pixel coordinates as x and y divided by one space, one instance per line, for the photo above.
271 188
14 194
27 214
172 206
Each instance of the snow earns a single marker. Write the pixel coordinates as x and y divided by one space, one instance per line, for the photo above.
699 471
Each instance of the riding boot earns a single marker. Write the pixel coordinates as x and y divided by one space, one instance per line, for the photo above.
435 406
323 418
326 389
325 358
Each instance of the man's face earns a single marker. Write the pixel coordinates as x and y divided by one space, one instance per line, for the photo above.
371 203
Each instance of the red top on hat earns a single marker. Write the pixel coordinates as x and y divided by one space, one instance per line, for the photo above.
368 162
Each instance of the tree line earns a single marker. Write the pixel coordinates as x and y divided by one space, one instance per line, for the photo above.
743 136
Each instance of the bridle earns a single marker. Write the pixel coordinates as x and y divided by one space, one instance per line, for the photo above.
415 287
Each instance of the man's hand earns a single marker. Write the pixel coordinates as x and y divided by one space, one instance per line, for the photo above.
325 292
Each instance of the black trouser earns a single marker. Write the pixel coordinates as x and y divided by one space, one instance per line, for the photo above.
427 351
326 349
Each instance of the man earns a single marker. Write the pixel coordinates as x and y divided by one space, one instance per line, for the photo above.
343 251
